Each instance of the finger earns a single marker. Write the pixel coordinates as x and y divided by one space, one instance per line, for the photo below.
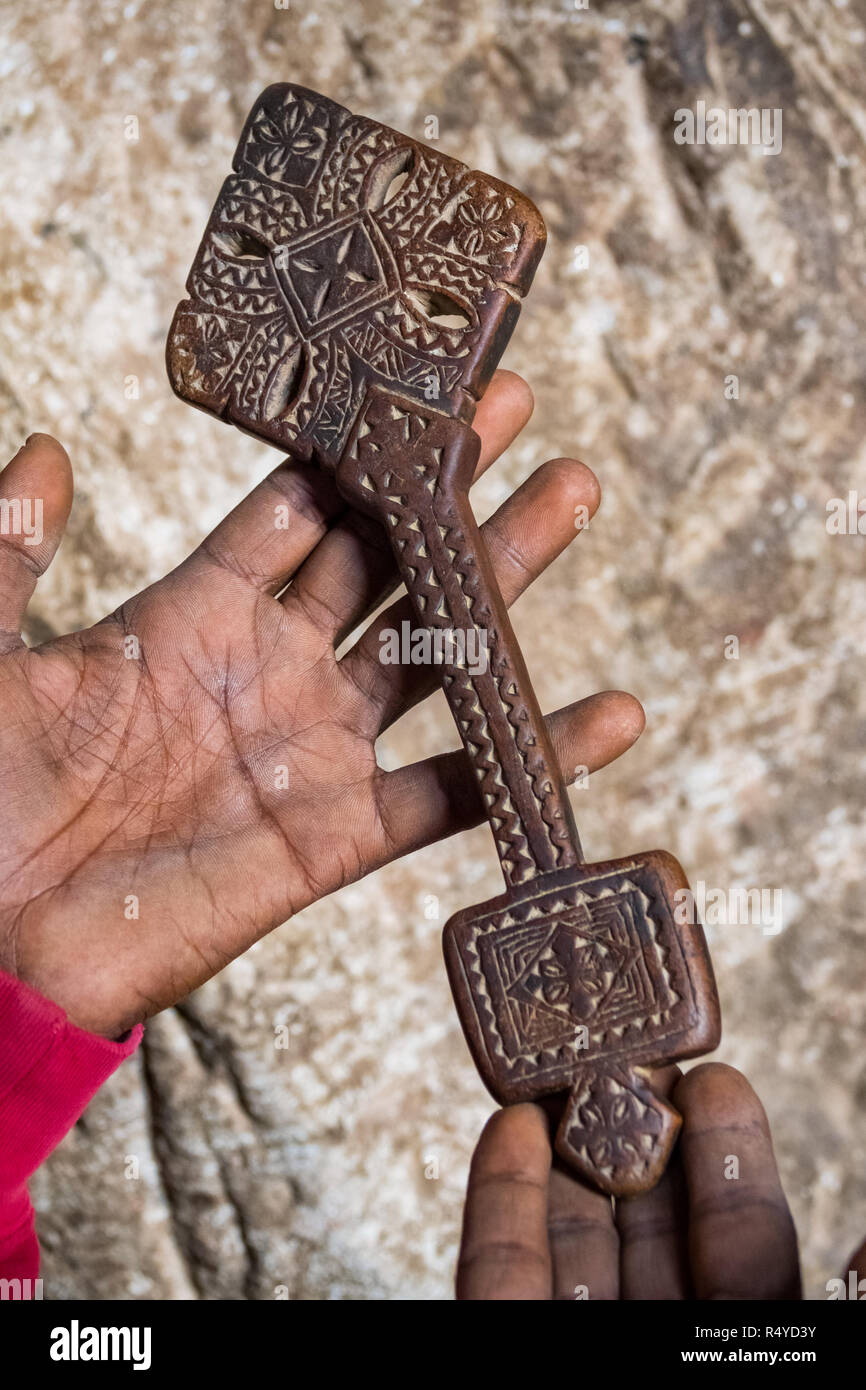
857 1262
742 1240
503 1248
584 1245
353 570
35 499
428 800
522 538
653 1228
502 412
272 531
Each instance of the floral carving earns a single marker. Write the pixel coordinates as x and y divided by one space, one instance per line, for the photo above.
484 229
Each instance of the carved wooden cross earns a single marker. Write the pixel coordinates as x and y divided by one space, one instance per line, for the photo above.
351 297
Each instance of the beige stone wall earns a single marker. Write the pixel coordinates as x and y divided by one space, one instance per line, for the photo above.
305 1168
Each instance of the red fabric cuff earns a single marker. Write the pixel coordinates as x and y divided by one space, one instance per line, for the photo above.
49 1070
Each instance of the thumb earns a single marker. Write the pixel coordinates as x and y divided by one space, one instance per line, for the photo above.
35 498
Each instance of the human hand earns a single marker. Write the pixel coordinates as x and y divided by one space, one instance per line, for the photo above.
156 774
710 1229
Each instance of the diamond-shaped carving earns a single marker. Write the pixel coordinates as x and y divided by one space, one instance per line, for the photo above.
583 965
332 277
573 973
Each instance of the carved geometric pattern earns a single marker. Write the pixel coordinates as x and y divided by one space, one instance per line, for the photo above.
581 981
585 965
572 976
399 455
616 1132
548 795
318 274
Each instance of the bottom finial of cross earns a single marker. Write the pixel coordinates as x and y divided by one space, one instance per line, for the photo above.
616 1132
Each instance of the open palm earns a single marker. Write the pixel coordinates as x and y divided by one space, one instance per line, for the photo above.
185 775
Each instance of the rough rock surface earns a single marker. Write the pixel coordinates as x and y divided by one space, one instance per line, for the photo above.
308 1170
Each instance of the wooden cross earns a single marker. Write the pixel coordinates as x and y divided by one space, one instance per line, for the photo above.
350 300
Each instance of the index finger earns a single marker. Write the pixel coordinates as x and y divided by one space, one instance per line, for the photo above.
503 1250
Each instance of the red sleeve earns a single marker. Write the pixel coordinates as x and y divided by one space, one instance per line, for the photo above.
49 1070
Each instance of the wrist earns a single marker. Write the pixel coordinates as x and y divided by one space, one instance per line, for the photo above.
86 999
